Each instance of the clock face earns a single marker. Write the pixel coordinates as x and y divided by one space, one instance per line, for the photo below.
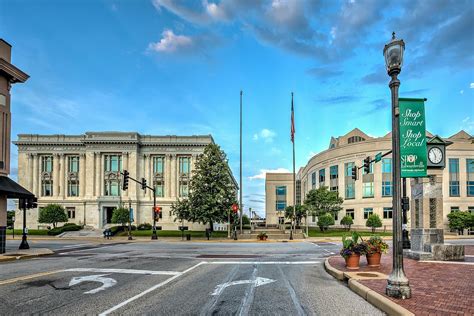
435 155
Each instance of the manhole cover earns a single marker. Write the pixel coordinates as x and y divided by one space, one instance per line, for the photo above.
367 275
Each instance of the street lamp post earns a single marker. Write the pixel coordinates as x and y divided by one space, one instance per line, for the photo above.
397 283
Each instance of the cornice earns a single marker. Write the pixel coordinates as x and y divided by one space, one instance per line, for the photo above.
13 72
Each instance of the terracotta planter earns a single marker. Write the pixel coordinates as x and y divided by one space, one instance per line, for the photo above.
352 262
373 260
263 238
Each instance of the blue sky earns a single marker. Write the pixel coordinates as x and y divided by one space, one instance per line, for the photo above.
177 67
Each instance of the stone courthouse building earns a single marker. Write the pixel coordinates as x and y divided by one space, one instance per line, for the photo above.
82 173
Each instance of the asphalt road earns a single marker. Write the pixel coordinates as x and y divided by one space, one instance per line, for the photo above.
179 278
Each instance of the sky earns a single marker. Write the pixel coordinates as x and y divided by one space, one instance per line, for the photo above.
177 67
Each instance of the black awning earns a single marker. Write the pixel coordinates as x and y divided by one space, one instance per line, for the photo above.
13 190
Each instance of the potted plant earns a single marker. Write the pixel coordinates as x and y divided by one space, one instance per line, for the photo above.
375 246
262 236
352 249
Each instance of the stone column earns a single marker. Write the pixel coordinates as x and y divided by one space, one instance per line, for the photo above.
82 176
29 173
62 178
56 164
149 176
167 176
97 175
146 173
174 176
125 167
35 174
101 174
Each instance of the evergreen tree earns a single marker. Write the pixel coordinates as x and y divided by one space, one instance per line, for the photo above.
211 191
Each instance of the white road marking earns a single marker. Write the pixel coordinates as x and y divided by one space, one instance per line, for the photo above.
256 282
127 271
264 262
106 282
248 297
110 310
329 252
76 246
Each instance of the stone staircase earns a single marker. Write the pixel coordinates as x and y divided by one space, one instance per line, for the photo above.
272 233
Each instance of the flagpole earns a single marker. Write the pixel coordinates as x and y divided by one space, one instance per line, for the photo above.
294 174
240 184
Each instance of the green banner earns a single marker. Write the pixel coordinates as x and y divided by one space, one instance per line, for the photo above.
413 155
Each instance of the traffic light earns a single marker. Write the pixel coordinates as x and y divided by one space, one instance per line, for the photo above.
143 184
157 212
367 165
235 208
405 203
125 180
32 202
354 173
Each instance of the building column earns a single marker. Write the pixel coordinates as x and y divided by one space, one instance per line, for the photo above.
146 162
35 174
101 175
167 176
97 174
56 163
62 178
29 173
125 166
149 176
82 176
174 177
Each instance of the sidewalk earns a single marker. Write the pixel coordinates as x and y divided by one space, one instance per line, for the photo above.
26 253
438 288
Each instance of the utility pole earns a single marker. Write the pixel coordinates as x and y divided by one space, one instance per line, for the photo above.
240 181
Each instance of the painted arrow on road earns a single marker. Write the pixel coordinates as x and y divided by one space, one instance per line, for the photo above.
257 282
106 282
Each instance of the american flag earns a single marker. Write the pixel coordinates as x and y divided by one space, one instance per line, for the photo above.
292 120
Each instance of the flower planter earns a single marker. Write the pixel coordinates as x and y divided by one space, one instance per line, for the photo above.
373 260
263 238
352 261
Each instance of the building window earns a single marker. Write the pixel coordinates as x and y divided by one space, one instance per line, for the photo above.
313 218
47 188
71 212
386 188
454 209
73 188
183 188
111 187
73 164
159 188
350 212
453 177
158 164
322 177
387 212
313 180
368 189
470 177
470 209
350 183
387 165
333 178
47 163
367 212
113 163
280 192
355 139
336 216
184 165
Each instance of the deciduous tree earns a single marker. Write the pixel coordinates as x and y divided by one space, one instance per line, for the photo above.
52 214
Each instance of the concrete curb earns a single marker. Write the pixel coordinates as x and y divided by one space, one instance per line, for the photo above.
381 302
6 258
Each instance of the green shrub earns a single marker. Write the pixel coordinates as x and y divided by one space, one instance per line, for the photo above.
69 224
70 228
347 221
324 221
460 220
373 221
55 231
144 226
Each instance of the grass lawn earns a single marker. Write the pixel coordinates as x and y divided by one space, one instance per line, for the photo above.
173 233
38 232
316 232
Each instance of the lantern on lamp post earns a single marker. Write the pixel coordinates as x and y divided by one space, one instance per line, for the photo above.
397 283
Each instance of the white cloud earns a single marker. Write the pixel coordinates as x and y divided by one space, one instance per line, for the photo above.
171 43
215 11
265 134
471 85
263 172
462 91
467 124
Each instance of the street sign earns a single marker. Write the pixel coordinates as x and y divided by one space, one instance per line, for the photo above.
413 157
378 157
